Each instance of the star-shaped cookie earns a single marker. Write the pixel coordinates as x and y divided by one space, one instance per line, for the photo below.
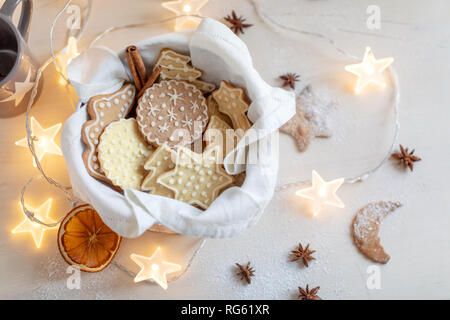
197 178
298 128
213 110
219 133
232 102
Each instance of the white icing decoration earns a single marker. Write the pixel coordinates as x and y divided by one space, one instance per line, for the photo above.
187 122
174 96
163 128
195 106
171 115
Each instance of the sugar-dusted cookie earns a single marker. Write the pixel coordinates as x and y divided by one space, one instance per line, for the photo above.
366 226
172 112
219 133
213 110
122 152
231 101
176 66
103 110
159 162
197 178
298 128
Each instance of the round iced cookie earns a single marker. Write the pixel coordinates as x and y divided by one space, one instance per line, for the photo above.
172 112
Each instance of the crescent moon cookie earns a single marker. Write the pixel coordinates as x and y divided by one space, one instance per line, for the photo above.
197 178
159 162
122 152
103 110
232 102
172 112
176 66
366 226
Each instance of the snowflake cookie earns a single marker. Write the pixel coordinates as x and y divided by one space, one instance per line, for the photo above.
122 152
172 112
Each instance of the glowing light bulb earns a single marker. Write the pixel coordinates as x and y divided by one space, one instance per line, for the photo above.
369 71
43 140
35 229
154 267
191 8
322 193
67 56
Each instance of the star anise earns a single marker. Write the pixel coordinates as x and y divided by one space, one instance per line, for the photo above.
245 272
303 254
306 294
237 23
406 158
289 79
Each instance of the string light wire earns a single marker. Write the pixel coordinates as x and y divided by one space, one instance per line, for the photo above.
395 84
268 21
66 190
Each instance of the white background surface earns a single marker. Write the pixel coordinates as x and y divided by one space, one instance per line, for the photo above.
416 236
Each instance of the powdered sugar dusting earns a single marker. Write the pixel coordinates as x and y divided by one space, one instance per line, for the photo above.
366 226
55 274
317 107
369 218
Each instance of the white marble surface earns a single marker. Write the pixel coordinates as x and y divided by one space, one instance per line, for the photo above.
416 236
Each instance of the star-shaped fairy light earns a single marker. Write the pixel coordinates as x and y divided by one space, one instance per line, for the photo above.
369 71
21 89
188 8
322 193
67 56
43 140
154 268
37 230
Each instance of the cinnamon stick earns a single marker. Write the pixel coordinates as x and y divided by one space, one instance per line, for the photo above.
150 80
136 66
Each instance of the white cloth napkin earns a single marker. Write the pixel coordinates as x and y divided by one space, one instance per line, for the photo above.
221 55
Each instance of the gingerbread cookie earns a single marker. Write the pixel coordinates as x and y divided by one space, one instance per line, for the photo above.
159 162
239 179
213 110
103 110
176 66
219 133
122 152
172 112
231 101
366 226
298 128
197 178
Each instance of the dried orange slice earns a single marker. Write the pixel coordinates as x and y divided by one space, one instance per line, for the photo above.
85 241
